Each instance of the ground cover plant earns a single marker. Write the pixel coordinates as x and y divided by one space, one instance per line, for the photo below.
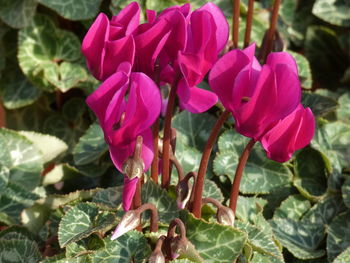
135 132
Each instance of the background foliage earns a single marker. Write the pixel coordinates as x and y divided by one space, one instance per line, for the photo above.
60 194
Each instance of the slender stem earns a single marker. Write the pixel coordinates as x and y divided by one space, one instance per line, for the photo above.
167 138
154 215
212 201
137 200
154 167
238 176
178 166
2 115
272 29
249 21
198 190
235 22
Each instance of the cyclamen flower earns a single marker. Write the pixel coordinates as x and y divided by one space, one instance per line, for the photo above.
264 101
123 120
179 47
109 42
257 97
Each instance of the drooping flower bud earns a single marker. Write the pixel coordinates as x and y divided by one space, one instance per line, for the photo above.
157 255
129 221
184 190
225 216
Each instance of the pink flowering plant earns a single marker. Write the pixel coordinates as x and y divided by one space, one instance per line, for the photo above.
150 131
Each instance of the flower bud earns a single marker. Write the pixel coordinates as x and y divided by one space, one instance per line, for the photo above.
157 257
183 193
225 216
129 221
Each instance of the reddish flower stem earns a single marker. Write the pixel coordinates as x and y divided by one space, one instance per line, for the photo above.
154 167
235 22
167 137
249 21
2 115
238 176
137 199
272 29
198 190
154 215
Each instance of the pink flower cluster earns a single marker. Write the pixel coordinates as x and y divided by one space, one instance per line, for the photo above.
177 47
264 100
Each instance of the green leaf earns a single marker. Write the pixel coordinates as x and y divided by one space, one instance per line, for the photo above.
214 242
74 9
60 172
320 105
81 221
65 76
4 177
303 67
21 251
249 207
311 171
110 197
166 206
42 141
91 146
131 246
300 238
335 12
343 112
346 191
263 258
193 129
14 198
17 13
21 157
344 257
327 60
48 55
260 175
17 90
323 212
294 207
212 190
338 238
260 240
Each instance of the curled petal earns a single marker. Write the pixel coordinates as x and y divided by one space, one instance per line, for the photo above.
290 134
222 27
93 44
195 100
112 91
142 109
276 58
129 18
223 74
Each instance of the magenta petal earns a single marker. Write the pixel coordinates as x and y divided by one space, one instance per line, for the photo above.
129 189
143 108
149 44
307 129
128 17
117 52
288 91
151 15
223 74
99 100
93 44
120 154
222 27
200 100
290 134
275 58
252 118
